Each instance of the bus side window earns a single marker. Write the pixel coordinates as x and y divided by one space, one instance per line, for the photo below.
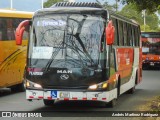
133 36
16 22
115 33
137 36
125 34
10 29
112 61
3 28
120 33
130 35
0 29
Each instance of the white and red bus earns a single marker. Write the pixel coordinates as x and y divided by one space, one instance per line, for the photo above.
80 51
150 49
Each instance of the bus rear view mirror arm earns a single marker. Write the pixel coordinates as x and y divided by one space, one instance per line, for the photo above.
20 29
110 33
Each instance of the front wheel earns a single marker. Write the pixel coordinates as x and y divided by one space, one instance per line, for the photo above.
48 102
18 88
132 90
112 103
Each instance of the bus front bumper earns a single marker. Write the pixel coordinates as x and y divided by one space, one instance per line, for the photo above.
70 95
151 64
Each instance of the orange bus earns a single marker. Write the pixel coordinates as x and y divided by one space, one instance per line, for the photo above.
12 57
151 49
80 51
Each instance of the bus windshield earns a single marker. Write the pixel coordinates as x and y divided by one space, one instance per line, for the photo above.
151 46
70 40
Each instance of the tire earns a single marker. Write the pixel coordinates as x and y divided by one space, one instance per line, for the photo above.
18 88
48 102
131 91
112 103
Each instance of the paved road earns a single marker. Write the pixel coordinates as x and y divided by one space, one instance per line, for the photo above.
148 88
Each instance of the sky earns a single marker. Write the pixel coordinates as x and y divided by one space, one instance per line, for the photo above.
33 5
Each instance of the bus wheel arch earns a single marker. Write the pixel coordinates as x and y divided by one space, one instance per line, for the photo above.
132 90
118 85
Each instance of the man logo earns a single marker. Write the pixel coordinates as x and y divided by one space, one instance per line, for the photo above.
64 77
64 71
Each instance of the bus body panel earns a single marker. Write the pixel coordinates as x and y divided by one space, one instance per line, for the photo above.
12 57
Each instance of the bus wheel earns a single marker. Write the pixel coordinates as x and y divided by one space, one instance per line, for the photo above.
18 88
21 87
48 102
131 91
112 103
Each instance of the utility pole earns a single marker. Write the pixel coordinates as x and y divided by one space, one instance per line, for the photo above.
42 4
144 19
116 5
11 5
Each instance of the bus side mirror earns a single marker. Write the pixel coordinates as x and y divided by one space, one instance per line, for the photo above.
110 33
19 31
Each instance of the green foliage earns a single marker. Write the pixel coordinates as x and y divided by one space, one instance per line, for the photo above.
149 5
158 29
105 5
130 11
49 3
146 28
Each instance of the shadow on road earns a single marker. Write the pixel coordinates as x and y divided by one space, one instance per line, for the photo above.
6 91
73 106
75 109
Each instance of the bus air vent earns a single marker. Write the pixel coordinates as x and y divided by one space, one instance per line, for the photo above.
77 4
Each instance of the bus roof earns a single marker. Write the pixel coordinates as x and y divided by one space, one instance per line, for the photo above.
15 14
69 10
78 7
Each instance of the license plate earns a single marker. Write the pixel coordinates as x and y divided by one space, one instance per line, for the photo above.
64 95
152 64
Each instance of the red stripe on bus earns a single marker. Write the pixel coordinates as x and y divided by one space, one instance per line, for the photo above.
74 98
31 97
66 98
40 97
104 98
94 98
49 98
84 98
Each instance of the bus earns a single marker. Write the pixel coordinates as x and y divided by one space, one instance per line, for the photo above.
12 57
150 49
80 51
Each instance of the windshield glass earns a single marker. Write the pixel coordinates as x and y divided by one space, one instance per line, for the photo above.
66 40
151 46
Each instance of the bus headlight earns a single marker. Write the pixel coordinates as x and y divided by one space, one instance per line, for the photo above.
102 85
30 84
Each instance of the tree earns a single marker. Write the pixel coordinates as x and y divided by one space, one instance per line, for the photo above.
149 5
49 3
113 7
130 11
145 28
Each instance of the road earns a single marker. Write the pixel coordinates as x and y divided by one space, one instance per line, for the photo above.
147 89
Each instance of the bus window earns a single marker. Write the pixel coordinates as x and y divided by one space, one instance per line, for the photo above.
115 34
120 33
133 36
129 35
125 34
